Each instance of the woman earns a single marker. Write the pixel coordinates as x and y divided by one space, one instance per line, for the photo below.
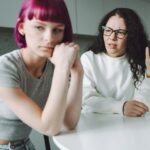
36 90
117 67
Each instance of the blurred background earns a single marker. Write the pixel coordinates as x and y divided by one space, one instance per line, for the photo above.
85 16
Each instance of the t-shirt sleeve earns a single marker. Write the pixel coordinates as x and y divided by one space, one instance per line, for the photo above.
9 76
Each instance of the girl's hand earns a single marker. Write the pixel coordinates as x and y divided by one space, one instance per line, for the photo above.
77 66
147 61
64 54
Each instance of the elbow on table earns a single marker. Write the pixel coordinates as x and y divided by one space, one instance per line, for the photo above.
71 125
51 131
55 131
70 122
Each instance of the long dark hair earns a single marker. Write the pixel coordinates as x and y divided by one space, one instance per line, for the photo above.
136 41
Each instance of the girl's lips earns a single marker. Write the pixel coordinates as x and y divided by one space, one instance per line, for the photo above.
47 47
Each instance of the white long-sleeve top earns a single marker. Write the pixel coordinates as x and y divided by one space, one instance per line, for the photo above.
108 83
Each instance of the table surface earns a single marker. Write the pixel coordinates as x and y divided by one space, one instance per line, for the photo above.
107 132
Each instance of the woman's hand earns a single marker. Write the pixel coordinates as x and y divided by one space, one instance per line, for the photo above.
134 108
147 62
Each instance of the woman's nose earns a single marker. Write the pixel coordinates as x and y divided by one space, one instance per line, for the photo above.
113 36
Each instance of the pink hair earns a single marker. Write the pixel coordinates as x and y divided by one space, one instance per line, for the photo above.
45 10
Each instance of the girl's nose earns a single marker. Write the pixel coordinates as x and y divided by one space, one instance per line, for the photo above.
48 36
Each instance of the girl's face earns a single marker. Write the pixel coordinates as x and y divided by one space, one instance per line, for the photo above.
115 36
41 36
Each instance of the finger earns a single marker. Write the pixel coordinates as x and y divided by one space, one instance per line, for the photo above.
142 105
71 44
136 112
132 115
66 43
76 46
140 110
147 53
147 60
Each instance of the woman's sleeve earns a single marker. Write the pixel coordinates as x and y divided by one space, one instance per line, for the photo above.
93 101
142 93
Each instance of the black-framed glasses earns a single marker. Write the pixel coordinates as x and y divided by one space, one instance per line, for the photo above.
119 33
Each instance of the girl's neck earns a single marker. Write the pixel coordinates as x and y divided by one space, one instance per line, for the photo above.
34 64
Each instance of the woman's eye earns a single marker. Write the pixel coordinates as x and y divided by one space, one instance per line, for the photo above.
121 32
107 30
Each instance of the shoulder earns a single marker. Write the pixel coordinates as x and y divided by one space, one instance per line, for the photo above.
10 68
88 55
11 56
91 57
10 60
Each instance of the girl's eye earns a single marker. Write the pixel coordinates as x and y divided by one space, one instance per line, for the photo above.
56 31
40 28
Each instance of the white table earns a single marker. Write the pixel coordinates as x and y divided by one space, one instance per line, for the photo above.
107 132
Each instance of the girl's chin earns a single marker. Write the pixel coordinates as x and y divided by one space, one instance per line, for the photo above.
46 54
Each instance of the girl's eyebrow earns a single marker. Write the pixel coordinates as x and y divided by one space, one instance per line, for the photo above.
60 25
40 22
45 22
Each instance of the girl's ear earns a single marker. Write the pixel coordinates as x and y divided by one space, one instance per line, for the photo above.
21 29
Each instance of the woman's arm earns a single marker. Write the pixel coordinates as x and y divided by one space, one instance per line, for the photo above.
141 102
93 100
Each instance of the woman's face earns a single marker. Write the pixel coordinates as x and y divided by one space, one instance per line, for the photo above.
115 41
41 36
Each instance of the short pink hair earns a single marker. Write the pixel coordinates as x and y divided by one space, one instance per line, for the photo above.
45 10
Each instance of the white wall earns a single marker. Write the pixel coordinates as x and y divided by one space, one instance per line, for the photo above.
8 12
142 7
85 14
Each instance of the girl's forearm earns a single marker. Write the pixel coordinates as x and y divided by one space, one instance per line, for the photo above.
74 100
54 110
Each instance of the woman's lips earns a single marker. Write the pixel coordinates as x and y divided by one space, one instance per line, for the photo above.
112 46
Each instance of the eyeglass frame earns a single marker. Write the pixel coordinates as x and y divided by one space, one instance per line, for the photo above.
115 31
